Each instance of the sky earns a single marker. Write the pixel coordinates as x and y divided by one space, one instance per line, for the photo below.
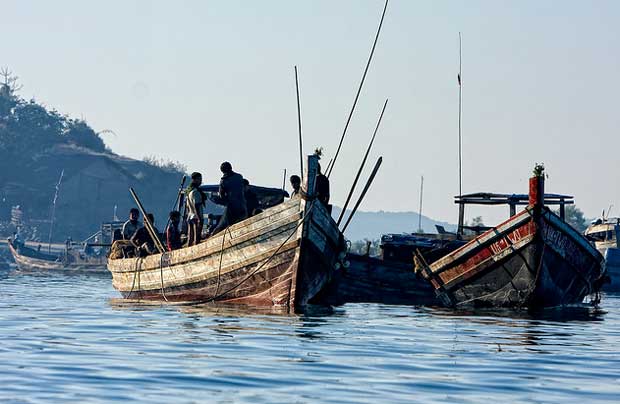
206 81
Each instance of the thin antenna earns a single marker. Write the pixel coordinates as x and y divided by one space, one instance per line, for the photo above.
420 211
301 159
284 181
53 216
359 90
460 113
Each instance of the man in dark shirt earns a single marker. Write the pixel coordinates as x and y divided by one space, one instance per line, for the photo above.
131 225
322 189
251 199
232 196
142 239
173 235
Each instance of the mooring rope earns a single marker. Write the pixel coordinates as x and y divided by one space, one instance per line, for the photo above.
219 269
161 272
135 274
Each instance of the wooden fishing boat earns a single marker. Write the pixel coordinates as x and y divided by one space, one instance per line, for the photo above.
365 279
605 234
28 259
534 259
283 256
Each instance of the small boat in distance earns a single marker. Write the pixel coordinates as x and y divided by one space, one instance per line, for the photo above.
283 256
605 234
533 260
68 260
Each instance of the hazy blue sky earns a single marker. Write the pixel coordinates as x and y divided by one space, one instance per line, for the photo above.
204 81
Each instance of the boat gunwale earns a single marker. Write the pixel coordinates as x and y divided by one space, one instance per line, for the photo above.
210 246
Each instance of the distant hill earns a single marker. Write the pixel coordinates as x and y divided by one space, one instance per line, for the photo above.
37 144
371 225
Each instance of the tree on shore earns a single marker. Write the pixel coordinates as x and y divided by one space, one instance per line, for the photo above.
575 217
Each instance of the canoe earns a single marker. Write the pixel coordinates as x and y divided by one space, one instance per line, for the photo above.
283 256
29 259
533 260
374 280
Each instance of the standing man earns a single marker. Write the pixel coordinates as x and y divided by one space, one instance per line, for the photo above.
232 196
296 184
322 189
132 225
195 203
173 235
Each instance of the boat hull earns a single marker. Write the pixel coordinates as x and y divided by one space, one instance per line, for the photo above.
532 260
374 280
281 257
612 264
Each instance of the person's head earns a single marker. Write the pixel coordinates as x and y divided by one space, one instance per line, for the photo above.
175 216
295 181
150 217
246 184
196 179
226 167
134 215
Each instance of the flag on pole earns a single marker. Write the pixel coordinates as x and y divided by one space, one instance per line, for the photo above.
458 77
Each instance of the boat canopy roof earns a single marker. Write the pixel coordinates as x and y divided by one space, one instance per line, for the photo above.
266 196
488 198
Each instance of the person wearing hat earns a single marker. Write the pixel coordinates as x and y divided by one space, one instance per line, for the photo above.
231 195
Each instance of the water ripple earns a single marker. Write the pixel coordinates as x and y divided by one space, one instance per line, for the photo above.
70 339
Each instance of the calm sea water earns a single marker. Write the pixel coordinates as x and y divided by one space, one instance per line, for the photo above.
64 338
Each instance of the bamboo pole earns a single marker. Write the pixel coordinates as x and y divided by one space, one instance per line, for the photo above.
178 202
359 90
420 210
359 172
53 216
147 223
366 187
301 159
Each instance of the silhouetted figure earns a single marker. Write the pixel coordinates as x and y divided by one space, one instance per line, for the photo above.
296 184
173 235
322 189
195 203
232 196
132 225
251 200
142 239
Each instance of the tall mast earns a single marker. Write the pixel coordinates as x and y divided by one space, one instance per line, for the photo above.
420 210
460 113
53 213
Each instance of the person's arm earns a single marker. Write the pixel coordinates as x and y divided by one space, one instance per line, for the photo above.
220 198
169 238
124 231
